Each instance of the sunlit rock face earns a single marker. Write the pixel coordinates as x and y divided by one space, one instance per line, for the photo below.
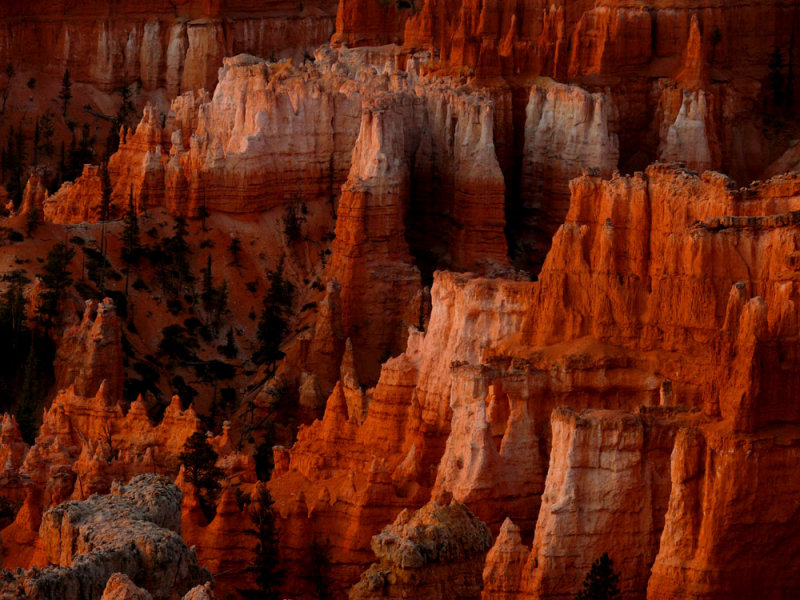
536 320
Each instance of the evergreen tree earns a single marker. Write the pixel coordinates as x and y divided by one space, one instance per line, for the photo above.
601 581
48 130
777 80
33 222
320 563
273 325
235 249
12 306
200 468
105 209
26 407
178 249
55 280
716 38
229 349
264 459
7 88
14 164
208 286
65 95
266 554
37 141
130 234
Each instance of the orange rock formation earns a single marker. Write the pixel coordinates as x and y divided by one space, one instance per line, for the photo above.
176 46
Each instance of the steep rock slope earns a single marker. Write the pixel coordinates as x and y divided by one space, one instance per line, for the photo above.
646 298
177 46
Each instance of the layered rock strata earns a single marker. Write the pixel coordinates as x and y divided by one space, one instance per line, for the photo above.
177 46
651 297
413 159
567 132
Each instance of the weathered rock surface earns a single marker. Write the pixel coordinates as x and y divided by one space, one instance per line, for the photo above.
608 480
345 480
644 299
90 352
436 552
177 46
738 536
504 563
567 131
120 587
134 531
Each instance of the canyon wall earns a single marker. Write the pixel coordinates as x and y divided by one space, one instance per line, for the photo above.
650 299
637 398
177 46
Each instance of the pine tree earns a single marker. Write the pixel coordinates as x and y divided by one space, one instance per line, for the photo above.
229 349
37 140
47 132
235 249
15 164
12 304
208 286
65 95
26 407
200 468
601 581
130 238
7 89
105 208
179 249
777 80
56 279
320 563
273 325
266 554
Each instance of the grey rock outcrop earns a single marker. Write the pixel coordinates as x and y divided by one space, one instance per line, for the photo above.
436 552
134 531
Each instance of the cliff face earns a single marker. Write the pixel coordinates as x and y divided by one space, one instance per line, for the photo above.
405 162
273 134
709 539
176 46
637 398
648 300
567 131
344 479
607 480
678 75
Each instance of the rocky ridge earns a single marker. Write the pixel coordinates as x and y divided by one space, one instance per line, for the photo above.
135 531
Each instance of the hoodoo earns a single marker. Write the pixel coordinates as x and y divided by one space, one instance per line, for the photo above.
382 299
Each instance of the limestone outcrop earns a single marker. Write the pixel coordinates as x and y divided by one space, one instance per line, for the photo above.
436 552
134 531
